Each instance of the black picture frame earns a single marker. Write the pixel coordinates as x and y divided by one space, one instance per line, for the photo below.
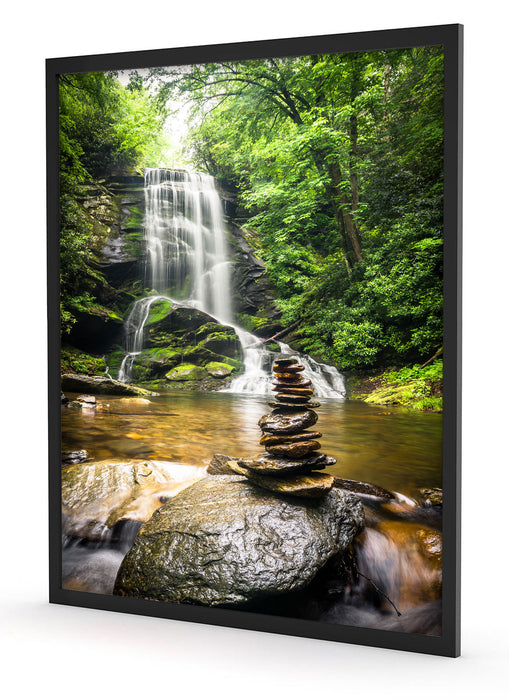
451 38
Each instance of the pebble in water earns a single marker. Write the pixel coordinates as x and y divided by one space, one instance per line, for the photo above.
292 452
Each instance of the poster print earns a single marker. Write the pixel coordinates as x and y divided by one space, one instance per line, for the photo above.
252 338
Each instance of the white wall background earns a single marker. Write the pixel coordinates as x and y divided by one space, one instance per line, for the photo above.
77 653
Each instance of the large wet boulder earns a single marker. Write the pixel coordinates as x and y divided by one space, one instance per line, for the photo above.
96 496
225 541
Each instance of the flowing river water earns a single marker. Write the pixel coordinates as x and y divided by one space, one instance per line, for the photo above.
186 261
394 448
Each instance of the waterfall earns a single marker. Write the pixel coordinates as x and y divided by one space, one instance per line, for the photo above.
258 361
185 240
186 262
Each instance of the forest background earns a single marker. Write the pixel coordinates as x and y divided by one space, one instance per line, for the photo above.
337 169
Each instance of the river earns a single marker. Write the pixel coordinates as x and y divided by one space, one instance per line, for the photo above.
397 449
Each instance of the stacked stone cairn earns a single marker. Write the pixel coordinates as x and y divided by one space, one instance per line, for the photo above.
291 458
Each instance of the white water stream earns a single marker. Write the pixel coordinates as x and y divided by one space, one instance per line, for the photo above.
186 262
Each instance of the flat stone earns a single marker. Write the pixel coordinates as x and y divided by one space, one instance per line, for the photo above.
284 362
298 437
291 385
293 390
287 423
291 369
293 449
283 405
302 486
268 464
292 398
286 376
226 541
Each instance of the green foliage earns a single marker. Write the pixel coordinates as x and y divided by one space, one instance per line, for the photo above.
324 150
414 387
78 362
103 127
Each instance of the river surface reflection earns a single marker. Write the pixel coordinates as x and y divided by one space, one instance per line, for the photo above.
398 449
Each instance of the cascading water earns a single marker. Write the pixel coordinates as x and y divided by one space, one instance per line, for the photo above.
185 252
185 240
186 262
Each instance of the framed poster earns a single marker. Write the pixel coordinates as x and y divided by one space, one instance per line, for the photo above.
254 335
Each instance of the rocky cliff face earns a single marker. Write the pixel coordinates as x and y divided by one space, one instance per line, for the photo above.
253 293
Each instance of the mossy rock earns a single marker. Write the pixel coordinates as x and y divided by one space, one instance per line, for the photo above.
225 343
153 363
186 373
158 311
219 369
208 328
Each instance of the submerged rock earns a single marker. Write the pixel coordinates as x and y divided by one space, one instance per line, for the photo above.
224 541
432 498
364 488
74 457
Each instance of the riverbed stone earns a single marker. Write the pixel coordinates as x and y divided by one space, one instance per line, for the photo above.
224 541
363 488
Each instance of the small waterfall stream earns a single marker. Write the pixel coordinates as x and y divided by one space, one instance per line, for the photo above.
186 262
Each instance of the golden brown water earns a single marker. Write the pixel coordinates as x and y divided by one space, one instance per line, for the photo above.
395 448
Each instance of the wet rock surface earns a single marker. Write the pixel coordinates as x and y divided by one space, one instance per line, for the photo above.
225 541
101 385
98 495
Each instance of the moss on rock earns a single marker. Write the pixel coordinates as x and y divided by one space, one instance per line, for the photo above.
185 373
219 369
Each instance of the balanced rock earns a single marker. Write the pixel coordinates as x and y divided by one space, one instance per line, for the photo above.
302 486
282 406
287 423
293 449
268 464
271 439
225 541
